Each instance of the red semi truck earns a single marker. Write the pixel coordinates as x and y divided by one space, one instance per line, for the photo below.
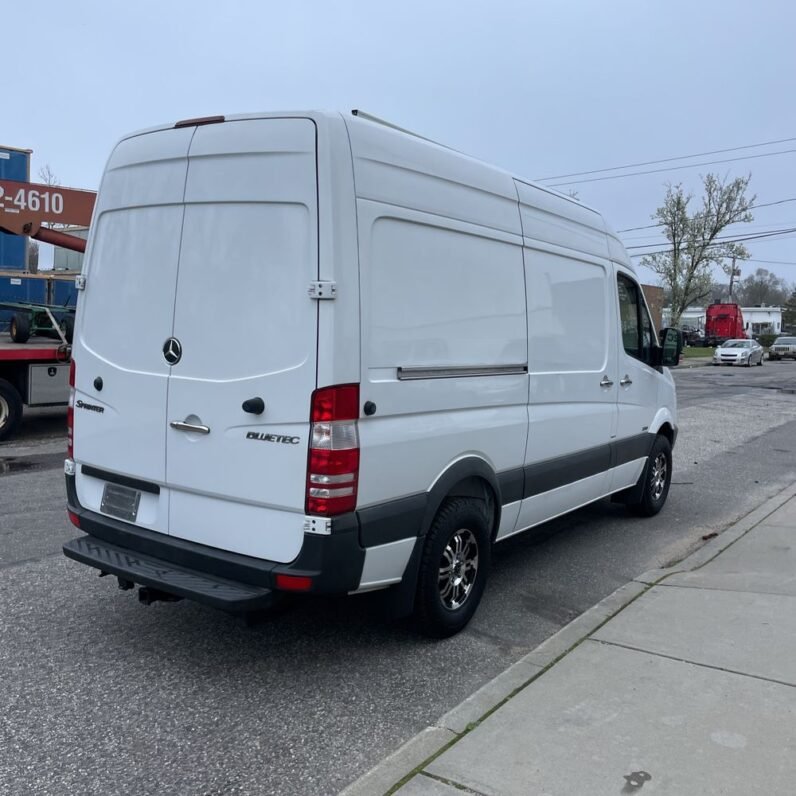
723 322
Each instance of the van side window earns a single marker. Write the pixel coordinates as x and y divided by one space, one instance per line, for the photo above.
638 335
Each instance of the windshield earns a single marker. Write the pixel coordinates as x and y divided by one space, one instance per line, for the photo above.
737 344
785 341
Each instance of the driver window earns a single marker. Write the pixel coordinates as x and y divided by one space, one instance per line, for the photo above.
638 334
629 315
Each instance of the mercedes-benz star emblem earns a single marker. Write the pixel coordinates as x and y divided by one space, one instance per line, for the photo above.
172 350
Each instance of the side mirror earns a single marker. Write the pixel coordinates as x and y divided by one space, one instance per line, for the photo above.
672 347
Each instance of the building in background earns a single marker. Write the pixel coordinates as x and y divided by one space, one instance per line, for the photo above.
756 320
654 296
67 259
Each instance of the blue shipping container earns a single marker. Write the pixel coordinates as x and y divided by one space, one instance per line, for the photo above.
14 165
64 294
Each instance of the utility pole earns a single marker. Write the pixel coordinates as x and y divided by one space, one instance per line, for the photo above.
732 276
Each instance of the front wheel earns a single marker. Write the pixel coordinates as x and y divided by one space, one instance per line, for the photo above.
657 477
454 567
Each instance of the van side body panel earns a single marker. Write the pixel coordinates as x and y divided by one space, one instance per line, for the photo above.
572 345
442 286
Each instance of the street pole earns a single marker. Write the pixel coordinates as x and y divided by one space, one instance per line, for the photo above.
732 276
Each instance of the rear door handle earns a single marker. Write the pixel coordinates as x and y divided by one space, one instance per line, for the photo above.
181 425
626 380
606 382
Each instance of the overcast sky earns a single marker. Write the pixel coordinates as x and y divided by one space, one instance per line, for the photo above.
539 88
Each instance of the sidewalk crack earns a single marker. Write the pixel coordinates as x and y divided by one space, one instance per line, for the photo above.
452 784
692 663
725 590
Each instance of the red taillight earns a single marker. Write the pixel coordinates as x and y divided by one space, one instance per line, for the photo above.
293 582
70 415
333 466
73 518
335 403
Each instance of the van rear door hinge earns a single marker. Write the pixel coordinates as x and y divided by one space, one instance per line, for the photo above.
322 290
80 282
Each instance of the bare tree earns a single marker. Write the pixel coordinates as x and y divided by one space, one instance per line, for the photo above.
47 176
789 312
686 269
763 287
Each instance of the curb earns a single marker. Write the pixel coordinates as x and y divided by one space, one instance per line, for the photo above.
417 752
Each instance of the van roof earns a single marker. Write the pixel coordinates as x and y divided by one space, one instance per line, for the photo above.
379 129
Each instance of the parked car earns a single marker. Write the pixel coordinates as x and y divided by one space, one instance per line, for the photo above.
783 348
739 352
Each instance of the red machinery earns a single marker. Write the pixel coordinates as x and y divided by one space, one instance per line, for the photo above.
26 206
37 374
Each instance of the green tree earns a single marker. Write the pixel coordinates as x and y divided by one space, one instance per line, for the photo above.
686 269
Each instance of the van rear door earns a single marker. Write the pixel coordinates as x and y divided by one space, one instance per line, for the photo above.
246 330
122 376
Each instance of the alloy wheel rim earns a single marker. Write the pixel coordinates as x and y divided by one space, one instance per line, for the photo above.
458 569
658 477
5 411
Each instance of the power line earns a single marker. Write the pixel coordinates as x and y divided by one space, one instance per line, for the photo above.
718 241
670 168
666 160
748 228
732 239
751 207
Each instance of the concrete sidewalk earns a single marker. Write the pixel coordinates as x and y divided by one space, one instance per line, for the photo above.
681 682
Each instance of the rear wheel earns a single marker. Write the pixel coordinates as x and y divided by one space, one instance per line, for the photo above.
20 328
454 567
10 409
657 477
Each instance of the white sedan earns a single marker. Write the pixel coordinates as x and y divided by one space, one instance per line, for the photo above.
739 352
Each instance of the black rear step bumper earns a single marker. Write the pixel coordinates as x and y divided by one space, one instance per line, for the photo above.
154 573
226 580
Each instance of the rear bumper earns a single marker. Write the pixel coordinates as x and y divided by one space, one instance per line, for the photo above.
208 575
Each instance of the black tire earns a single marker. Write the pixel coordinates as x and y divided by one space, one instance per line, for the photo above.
760 363
436 611
20 327
655 490
10 409
68 327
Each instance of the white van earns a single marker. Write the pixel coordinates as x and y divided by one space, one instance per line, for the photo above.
316 353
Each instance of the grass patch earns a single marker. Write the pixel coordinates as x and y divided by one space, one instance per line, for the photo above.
693 351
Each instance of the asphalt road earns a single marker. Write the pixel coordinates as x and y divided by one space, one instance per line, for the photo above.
100 695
